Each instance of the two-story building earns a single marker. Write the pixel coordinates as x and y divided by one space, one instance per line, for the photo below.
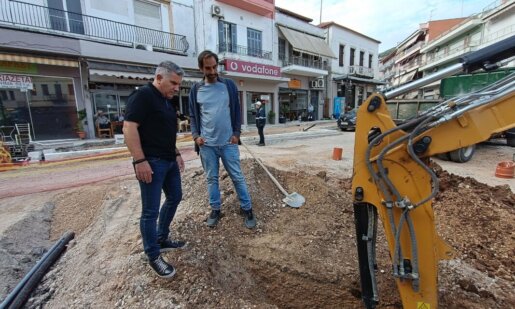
352 73
59 56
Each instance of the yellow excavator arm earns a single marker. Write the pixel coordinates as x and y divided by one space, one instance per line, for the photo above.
392 179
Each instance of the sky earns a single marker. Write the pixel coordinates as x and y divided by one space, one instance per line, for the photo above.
389 21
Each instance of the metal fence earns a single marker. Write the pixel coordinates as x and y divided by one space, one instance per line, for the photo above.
244 50
36 17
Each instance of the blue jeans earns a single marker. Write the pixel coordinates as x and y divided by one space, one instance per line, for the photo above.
167 177
230 155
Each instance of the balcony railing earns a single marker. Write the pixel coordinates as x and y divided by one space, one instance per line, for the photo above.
244 50
36 17
361 70
305 62
434 57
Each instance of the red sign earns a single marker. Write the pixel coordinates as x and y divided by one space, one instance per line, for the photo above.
252 68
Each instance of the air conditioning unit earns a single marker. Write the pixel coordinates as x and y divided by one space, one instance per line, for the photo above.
216 10
318 83
143 46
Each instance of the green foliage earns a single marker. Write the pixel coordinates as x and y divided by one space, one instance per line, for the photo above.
81 115
271 116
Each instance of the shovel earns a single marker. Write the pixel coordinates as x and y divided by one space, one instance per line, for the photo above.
293 200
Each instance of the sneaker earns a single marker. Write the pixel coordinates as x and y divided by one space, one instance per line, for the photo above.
250 219
213 218
261 144
169 245
163 269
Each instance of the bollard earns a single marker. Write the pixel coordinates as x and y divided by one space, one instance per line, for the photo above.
337 153
505 169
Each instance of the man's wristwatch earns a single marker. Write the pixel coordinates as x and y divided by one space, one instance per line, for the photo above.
134 162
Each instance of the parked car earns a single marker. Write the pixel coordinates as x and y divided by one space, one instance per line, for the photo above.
347 121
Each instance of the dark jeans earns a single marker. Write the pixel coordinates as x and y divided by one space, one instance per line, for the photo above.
261 134
166 176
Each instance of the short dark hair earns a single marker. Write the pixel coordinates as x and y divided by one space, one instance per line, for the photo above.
206 54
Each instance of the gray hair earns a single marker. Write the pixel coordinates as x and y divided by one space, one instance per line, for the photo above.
167 67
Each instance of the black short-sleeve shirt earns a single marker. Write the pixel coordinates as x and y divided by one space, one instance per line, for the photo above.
157 119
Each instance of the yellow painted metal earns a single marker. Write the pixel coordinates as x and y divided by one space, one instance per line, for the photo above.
5 156
413 182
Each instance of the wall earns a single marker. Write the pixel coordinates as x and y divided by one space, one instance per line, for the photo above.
207 28
338 35
184 23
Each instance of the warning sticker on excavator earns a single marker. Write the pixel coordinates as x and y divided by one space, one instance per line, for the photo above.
423 305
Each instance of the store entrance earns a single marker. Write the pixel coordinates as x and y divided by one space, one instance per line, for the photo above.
252 98
49 108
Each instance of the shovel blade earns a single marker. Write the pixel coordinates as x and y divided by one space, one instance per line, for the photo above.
294 200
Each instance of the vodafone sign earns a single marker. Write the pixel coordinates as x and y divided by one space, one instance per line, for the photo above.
252 68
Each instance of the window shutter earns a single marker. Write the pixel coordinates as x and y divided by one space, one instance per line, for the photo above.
233 38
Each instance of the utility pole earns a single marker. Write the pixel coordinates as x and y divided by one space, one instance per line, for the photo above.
320 11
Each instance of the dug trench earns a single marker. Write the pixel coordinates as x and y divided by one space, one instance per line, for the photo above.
295 258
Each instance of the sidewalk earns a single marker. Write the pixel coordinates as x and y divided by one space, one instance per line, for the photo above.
73 148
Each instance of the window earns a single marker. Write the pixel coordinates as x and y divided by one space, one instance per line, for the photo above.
11 95
361 58
352 52
147 15
58 91
282 49
3 95
341 54
44 88
254 47
370 57
227 37
71 91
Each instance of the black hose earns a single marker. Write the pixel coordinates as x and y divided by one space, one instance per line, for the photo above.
20 294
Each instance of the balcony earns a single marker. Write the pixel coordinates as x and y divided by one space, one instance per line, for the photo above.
408 52
304 66
437 58
244 50
259 7
15 14
361 71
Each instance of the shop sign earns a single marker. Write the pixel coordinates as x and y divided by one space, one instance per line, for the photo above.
18 67
16 82
294 83
252 68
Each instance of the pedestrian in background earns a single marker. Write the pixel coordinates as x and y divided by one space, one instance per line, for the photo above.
260 122
216 126
150 129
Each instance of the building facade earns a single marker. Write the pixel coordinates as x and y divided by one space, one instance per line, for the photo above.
60 58
353 74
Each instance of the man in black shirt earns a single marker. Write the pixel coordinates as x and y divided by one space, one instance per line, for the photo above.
150 129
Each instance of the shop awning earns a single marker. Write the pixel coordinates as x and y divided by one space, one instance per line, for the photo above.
39 60
120 74
306 43
406 78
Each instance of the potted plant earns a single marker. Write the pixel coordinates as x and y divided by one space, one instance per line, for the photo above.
271 117
79 128
284 110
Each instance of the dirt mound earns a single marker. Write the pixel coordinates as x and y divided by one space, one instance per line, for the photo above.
295 258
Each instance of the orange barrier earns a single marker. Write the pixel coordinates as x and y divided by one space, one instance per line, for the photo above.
505 169
337 153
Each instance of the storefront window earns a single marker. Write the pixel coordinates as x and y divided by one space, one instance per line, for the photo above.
252 98
293 103
49 108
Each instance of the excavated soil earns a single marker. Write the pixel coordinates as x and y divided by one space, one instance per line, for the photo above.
295 258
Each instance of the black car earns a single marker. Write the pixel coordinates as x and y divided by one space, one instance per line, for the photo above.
347 121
